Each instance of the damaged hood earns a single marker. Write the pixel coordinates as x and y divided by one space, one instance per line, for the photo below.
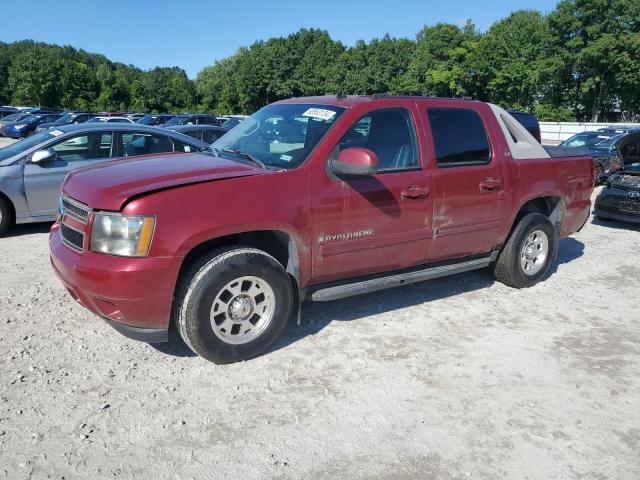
109 185
627 179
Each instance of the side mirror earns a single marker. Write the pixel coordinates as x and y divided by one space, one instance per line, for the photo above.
355 161
43 155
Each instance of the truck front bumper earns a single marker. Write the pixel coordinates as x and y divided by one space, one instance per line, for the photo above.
133 294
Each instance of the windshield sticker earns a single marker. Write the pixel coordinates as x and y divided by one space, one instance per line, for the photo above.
56 133
286 158
319 113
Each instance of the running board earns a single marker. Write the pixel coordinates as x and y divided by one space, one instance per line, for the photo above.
396 280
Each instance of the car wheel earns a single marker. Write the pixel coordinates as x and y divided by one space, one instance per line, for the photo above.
527 255
233 304
6 216
29 133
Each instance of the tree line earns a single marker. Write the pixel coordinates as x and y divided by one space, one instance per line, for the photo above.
581 61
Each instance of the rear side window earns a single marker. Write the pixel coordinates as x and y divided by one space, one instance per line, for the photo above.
143 143
459 137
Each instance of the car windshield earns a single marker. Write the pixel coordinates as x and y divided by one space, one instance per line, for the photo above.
146 120
588 140
14 117
280 135
26 144
30 118
179 120
64 119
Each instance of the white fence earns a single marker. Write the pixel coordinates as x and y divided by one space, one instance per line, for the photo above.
555 132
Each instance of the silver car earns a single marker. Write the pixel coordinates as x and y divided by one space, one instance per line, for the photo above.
32 170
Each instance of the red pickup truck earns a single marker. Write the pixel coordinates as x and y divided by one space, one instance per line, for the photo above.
312 198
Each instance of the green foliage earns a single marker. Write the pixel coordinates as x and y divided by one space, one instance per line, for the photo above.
580 61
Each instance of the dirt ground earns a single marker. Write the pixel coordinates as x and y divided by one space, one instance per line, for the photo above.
455 378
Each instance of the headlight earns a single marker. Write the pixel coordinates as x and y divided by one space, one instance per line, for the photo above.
20 126
122 235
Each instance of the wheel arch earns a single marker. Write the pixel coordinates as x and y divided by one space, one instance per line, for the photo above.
12 207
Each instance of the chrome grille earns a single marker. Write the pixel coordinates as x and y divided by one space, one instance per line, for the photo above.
72 237
74 209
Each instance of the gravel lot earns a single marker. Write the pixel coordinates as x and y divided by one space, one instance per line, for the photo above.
455 378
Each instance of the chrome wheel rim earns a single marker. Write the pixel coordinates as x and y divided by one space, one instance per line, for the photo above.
242 310
534 252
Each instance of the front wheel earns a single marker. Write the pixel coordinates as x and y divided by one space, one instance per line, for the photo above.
527 255
233 304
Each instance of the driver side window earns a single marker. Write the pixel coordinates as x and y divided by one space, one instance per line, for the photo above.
390 134
88 146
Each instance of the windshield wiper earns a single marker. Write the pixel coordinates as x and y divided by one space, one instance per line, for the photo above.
247 156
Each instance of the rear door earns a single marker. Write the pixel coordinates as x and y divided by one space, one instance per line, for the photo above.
42 181
467 182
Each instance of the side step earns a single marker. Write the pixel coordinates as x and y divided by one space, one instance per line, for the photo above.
396 280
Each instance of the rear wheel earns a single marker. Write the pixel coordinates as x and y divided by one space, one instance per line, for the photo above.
6 216
233 304
527 255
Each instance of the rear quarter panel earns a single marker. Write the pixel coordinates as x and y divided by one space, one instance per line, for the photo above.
571 179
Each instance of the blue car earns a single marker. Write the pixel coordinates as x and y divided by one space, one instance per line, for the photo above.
25 127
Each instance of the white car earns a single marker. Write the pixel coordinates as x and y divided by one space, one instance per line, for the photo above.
110 120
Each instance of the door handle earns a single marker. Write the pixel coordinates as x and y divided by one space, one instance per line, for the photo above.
414 192
490 184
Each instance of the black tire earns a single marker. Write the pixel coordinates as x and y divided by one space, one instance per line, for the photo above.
6 216
208 278
29 133
600 176
508 268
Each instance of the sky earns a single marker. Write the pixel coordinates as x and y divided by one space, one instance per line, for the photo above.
194 33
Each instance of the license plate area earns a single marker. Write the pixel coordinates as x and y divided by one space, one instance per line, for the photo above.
629 207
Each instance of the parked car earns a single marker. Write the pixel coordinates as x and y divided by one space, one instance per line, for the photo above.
188 119
154 120
32 169
232 122
14 117
67 118
206 133
5 111
620 199
528 121
229 243
25 127
601 146
101 119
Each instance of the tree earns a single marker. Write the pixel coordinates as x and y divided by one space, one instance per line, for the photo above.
33 77
598 44
506 66
440 63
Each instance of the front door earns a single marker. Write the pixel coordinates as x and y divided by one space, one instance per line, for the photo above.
42 181
365 225
467 182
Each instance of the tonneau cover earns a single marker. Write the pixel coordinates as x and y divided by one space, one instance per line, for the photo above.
558 152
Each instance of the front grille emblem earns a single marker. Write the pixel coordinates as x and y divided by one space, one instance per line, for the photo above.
633 194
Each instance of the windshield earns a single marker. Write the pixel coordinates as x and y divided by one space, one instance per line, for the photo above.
587 140
64 119
14 117
24 145
281 135
178 120
30 118
147 120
